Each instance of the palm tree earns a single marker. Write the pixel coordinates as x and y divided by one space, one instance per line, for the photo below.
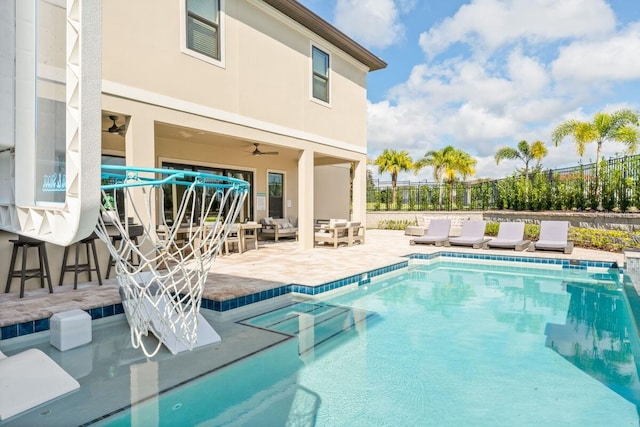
447 163
394 162
458 162
525 152
620 126
437 160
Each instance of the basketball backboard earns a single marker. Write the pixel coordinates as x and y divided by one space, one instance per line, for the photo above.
50 82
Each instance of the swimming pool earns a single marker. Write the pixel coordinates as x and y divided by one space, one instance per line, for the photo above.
447 342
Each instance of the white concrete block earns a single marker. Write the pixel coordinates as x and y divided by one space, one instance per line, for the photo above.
70 329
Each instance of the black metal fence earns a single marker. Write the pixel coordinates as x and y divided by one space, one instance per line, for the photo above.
616 189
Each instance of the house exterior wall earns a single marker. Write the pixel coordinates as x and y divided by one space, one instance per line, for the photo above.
266 74
331 195
260 91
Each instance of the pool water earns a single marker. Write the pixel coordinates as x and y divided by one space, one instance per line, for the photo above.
449 343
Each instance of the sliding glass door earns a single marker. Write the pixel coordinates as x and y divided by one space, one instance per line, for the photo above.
173 193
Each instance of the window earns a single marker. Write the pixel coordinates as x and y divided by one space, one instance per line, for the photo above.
276 196
203 27
320 66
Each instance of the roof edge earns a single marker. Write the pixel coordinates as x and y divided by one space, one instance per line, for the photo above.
305 17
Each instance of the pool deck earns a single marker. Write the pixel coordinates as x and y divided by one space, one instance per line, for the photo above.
272 265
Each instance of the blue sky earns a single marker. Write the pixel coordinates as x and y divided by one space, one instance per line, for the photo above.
484 74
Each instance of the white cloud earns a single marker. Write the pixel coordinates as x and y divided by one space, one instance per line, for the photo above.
374 23
527 73
530 65
615 58
476 124
490 24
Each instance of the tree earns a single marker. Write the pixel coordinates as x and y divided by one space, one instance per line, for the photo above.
394 162
525 152
447 163
620 126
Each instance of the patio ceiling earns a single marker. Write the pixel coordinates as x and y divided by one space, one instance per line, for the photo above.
210 139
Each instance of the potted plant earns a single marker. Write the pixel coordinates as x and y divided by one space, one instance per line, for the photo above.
109 212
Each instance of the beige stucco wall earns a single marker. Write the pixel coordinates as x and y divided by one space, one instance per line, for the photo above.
266 74
331 192
260 92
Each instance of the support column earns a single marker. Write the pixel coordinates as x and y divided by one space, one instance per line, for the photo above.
359 201
140 151
305 199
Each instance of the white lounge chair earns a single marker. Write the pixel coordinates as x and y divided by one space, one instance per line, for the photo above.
553 237
472 234
29 379
510 236
437 233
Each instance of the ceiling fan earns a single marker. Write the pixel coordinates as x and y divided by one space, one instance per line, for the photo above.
115 128
257 151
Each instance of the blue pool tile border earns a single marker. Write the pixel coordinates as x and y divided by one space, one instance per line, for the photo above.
26 328
565 263
359 279
40 325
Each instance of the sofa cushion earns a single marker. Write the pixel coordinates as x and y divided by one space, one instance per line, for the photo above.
337 223
283 223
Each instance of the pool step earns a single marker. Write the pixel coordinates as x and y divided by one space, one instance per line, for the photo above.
313 323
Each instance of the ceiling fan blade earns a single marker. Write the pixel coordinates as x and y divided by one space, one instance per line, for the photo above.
257 151
114 128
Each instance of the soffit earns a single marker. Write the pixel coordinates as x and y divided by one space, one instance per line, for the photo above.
294 10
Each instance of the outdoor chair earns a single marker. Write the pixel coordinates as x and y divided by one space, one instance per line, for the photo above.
233 239
510 236
334 233
472 235
553 237
356 232
437 233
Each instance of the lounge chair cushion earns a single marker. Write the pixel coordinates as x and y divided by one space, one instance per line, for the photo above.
437 233
553 236
29 379
510 235
472 234
549 244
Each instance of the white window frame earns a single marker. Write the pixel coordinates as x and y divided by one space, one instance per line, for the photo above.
285 209
311 73
221 33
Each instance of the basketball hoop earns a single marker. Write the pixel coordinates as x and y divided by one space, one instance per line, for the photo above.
181 219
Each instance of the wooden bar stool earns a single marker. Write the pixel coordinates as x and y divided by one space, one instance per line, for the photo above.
25 273
77 268
135 231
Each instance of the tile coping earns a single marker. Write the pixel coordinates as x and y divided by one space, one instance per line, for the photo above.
40 325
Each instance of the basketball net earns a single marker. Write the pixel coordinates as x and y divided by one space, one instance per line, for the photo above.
164 229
